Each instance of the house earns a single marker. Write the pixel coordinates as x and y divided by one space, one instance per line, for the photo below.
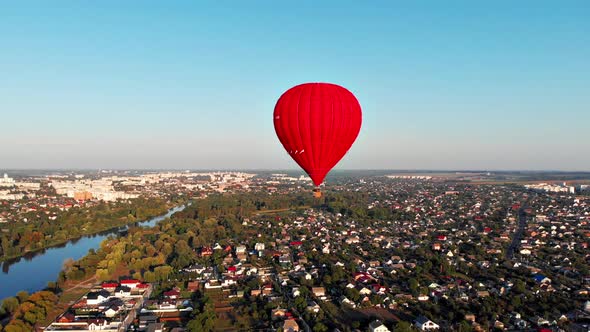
279 313
345 300
541 279
68 317
285 259
374 263
131 283
313 307
425 324
267 289
365 291
318 291
483 294
377 326
206 251
290 325
379 289
193 286
172 294
142 287
111 311
109 286
97 324
94 298
122 291
539 321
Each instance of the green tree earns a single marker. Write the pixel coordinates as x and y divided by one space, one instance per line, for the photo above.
465 326
319 327
403 326
10 304
413 284
520 286
204 321
22 296
17 325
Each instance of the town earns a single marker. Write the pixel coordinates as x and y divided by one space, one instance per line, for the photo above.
375 253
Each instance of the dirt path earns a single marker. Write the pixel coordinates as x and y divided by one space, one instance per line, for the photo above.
85 284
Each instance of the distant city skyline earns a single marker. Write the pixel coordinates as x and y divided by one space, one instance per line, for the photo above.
183 85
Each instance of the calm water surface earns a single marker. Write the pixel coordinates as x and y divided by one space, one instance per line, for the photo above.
32 273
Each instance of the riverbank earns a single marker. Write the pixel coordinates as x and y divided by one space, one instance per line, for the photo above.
74 233
46 266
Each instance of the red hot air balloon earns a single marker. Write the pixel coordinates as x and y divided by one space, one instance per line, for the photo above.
317 124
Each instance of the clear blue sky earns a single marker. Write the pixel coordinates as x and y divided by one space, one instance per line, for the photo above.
190 84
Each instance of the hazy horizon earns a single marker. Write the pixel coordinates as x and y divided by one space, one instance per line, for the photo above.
462 86
294 169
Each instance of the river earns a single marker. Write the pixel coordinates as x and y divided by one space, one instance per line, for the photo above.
34 271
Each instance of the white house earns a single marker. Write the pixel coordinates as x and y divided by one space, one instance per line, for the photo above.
425 324
377 326
111 312
99 297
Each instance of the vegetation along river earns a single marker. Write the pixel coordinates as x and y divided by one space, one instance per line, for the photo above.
33 272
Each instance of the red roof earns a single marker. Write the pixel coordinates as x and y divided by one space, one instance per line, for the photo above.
130 281
110 285
296 243
232 269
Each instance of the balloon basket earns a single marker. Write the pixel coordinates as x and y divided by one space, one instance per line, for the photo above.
317 193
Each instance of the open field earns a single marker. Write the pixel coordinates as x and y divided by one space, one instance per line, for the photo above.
523 182
281 210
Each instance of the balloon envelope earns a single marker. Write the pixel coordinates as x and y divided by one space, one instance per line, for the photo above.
317 124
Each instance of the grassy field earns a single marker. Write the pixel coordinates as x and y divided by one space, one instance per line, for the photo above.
259 213
523 182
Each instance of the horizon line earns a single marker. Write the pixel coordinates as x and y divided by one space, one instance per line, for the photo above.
422 170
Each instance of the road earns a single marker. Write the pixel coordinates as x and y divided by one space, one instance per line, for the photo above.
518 234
